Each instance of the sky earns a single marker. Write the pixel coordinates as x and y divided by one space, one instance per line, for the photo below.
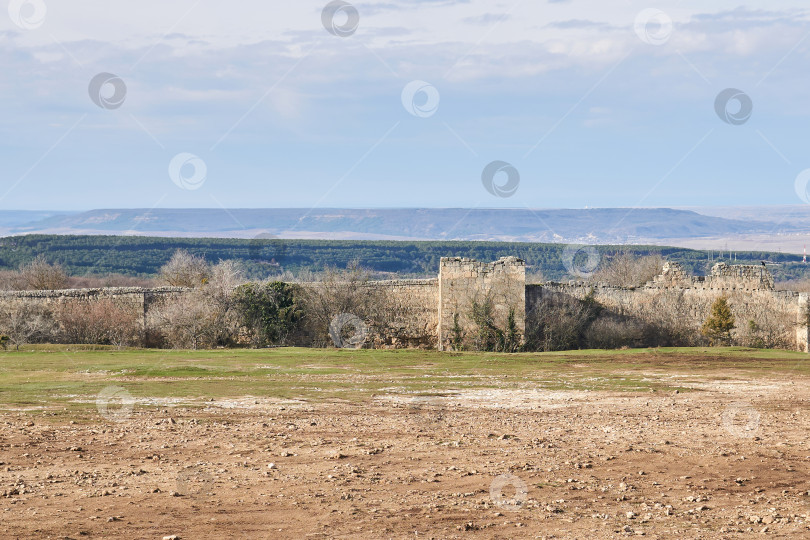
425 103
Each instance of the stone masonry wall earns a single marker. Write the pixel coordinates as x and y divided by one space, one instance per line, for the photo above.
463 282
722 276
138 298
412 317
675 299
422 312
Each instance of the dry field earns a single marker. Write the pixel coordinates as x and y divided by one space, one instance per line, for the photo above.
295 443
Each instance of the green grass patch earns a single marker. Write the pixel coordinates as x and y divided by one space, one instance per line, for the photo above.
68 376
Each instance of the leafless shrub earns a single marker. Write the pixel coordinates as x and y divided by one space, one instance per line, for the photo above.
627 270
559 322
24 322
225 276
343 291
186 321
16 280
202 318
614 332
99 321
185 270
671 321
304 275
10 280
40 275
760 325
563 322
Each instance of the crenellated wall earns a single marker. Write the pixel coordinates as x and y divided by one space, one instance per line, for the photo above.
722 276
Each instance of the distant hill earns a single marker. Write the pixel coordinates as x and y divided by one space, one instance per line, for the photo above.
598 225
15 218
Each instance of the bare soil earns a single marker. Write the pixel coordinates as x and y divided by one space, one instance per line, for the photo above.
726 460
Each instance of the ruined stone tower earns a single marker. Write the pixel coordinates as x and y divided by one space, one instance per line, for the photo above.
463 282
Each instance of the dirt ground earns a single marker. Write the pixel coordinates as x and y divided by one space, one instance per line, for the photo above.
728 460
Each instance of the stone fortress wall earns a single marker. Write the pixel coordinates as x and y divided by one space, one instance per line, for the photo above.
138 298
463 282
426 311
675 298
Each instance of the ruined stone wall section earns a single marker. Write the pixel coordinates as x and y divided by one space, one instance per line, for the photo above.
463 282
686 308
414 315
410 321
722 276
422 311
139 298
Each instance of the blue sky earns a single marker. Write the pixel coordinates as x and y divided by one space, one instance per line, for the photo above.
592 106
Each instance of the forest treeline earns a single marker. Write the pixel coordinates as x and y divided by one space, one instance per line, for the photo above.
267 257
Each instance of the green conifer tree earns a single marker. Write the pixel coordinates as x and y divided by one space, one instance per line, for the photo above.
720 323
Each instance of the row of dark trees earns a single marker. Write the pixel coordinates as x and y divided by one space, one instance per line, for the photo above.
263 258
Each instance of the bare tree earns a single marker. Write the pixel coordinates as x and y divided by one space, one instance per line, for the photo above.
186 321
202 318
40 275
627 270
218 292
342 292
225 276
559 322
10 280
25 323
185 270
